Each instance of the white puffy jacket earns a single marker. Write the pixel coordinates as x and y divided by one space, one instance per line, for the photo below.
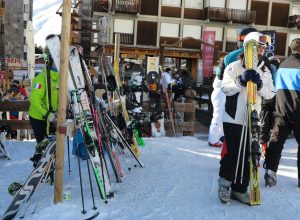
236 95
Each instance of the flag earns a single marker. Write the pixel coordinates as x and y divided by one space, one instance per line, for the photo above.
37 86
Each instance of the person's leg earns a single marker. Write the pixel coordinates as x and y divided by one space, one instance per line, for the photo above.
280 132
39 129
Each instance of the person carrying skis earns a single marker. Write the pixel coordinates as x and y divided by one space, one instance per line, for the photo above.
216 134
287 112
44 101
234 86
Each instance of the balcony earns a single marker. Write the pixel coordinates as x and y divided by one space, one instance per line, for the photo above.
242 16
294 21
229 15
125 38
100 5
126 6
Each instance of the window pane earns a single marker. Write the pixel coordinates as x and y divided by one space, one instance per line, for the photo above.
171 2
123 26
169 30
192 31
194 4
238 4
231 35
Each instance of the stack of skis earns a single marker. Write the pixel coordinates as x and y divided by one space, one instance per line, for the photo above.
106 135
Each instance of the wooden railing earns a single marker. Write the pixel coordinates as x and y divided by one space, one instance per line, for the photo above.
225 15
127 6
100 5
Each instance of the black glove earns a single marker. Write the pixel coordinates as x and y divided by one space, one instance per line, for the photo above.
245 77
256 79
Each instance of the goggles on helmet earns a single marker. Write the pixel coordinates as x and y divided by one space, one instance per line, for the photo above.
264 40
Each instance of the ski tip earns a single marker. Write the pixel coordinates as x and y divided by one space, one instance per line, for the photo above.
93 216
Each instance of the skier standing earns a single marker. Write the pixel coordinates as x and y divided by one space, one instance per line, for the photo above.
287 113
234 87
44 102
218 98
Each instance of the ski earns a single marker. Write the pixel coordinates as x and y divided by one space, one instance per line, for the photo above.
93 216
32 182
4 151
251 60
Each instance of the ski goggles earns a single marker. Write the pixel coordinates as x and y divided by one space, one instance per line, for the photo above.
264 40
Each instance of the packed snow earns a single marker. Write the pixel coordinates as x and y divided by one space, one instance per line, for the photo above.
179 181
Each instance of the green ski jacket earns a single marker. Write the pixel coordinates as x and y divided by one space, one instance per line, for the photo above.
39 102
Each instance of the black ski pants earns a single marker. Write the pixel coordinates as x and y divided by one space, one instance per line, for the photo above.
233 133
39 128
280 132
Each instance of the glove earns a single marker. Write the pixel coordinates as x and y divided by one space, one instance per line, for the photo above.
245 77
50 116
256 79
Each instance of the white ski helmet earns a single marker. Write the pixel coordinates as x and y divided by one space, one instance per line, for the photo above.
258 37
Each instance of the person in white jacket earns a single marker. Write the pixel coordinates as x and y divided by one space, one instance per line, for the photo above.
234 86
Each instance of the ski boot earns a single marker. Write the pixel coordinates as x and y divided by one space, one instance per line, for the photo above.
242 197
14 188
39 150
270 178
224 190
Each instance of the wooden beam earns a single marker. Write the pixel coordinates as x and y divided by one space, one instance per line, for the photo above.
16 124
22 106
62 101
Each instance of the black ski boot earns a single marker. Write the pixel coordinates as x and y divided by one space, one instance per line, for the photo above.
39 150
270 178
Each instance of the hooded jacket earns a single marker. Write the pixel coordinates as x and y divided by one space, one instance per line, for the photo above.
39 102
288 89
236 95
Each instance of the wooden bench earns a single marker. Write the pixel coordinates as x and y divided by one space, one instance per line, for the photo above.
204 93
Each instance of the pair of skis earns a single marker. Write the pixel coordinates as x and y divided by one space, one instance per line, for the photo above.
251 61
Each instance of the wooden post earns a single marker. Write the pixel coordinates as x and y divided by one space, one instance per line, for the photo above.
62 101
190 116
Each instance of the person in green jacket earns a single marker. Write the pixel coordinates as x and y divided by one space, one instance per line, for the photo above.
41 111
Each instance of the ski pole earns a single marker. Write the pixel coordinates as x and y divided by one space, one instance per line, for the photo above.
78 159
39 193
240 146
245 146
68 141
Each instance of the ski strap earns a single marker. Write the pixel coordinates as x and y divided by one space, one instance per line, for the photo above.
48 67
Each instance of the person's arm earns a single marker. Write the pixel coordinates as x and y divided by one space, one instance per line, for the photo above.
268 90
230 83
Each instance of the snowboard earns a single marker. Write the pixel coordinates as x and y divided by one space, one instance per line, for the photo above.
156 117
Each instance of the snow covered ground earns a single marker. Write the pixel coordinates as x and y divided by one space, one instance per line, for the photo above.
179 181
